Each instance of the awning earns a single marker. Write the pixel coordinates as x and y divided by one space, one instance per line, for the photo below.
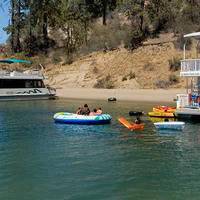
14 61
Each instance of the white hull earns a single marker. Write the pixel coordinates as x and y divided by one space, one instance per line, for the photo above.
26 94
170 125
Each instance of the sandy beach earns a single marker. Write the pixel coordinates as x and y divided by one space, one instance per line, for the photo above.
148 95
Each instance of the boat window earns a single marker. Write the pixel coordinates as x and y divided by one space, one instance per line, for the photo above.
15 83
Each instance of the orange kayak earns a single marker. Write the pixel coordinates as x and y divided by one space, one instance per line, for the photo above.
129 125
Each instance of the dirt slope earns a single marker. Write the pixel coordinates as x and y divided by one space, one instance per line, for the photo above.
149 64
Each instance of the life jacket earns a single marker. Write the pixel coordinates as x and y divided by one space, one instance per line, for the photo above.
99 112
78 112
92 113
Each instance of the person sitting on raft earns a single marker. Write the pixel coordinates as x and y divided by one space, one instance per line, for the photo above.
137 121
78 112
99 111
85 110
93 113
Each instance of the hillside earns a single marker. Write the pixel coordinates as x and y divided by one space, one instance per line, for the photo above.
147 67
149 64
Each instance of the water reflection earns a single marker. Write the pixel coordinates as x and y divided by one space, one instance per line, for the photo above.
94 162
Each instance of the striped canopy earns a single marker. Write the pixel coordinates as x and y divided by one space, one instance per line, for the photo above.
14 61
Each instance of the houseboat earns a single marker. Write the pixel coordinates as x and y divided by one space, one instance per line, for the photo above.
188 104
23 85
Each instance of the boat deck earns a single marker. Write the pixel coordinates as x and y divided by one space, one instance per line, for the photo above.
188 111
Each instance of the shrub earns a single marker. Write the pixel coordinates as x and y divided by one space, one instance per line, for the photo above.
173 79
99 84
56 58
161 83
124 78
104 83
69 59
174 64
133 39
179 43
131 75
148 66
109 85
95 70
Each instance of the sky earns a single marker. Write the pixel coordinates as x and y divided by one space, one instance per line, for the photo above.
4 18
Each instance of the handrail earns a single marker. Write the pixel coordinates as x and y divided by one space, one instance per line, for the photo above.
190 65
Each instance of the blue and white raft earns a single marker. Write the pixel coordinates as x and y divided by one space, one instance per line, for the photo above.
170 125
71 118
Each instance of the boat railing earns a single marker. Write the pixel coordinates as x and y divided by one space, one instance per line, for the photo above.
190 65
182 100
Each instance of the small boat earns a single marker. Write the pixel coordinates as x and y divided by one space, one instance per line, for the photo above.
129 125
164 109
170 125
161 114
71 118
133 113
112 99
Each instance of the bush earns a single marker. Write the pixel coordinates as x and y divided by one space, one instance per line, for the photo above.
148 66
104 83
179 43
173 79
95 70
174 64
69 59
124 78
133 39
107 37
161 83
131 75
109 85
55 58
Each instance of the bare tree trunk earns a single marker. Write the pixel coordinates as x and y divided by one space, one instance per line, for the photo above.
44 27
142 3
13 25
18 46
105 3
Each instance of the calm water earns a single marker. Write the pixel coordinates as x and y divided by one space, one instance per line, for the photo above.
43 160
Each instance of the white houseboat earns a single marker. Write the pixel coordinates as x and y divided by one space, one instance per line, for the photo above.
188 105
23 85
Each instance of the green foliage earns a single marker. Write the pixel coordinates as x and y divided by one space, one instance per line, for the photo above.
105 37
95 70
33 22
124 78
174 64
133 39
131 75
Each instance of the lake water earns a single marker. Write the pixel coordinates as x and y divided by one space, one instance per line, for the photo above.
43 160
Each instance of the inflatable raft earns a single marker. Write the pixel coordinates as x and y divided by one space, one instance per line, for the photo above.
71 118
164 109
161 114
170 125
129 125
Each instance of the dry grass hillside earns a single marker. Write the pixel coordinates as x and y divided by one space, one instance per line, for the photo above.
145 67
